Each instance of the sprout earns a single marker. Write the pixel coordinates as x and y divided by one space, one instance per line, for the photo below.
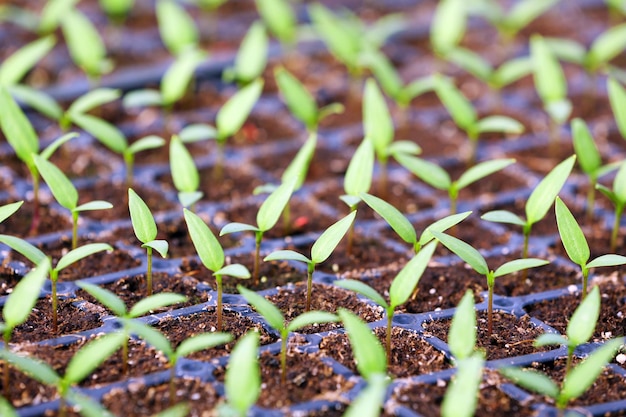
280 19
448 26
266 218
479 264
276 320
369 355
184 173
177 29
53 13
212 257
146 231
437 177
251 58
538 203
117 10
124 315
576 245
618 197
617 98
36 256
401 288
320 251
66 194
243 376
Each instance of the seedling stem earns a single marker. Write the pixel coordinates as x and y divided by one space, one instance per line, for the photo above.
149 271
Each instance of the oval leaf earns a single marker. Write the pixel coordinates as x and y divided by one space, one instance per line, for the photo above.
400 224
405 282
207 246
572 235
141 218
311 317
545 192
268 310
79 253
22 299
236 110
583 321
369 354
464 251
328 241
243 376
462 335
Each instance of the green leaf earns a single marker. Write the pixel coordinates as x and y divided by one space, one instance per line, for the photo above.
328 241
28 250
363 289
406 147
299 101
106 133
370 400
87 407
94 98
53 12
407 279
607 46
567 50
583 376
15 67
464 251
207 246
268 310
145 143
108 298
92 355
160 246
619 183
38 100
141 218
427 171
252 55
287 255
34 368
518 265
368 353
548 75
8 209
524 12
400 224
62 188
442 225
377 122
572 235
279 18
142 98
197 132
81 252
458 106
499 124
235 111
586 150
202 341
462 335
234 270
471 62
182 166
178 76
273 206
300 164
243 376
311 317
511 71
385 73
153 337
236 227
607 260
329 110
532 380
546 191
84 43
17 128
6 409
548 339
448 26
22 299
482 170
154 302
94 205
358 177
559 110
503 216
178 30
336 33
583 321
462 394
56 144
617 98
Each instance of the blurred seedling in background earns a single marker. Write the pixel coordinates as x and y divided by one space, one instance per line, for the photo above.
617 195
184 174
8 210
448 27
280 19
251 57
117 11
145 229
177 28
320 251
277 321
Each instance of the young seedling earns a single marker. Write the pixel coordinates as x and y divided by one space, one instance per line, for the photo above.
465 117
538 203
146 231
66 194
18 307
368 353
276 320
82 364
187 347
212 257
52 15
320 251
125 316
618 197
184 173
280 19
22 137
551 86
617 98
301 103
242 382
177 29
36 256
576 245
251 58
117 10
448 26
435 176
266 218
478 263
400 290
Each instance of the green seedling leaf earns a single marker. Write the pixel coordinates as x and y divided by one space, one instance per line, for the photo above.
6 409
482 170
235 111
29 251
404 147
299 101
583 321
546 191
234 270
94 205
79 253
448 26
525 12
311 317
208 247
442 225
559 110
607 46
178 76
243 376
184 172
458 106
160 246
237 227
358 178
56 144
464 251
340 38
8 209
252 55
462 394
90 356
532 380
109 299
471 62
617 98
34 368
94 98
462 335
499 124
85 45
547 339
268 310
153 337
88 407
300 164
154 302
22 299
178 30
549 78
197 132
287 255
586 151
62 188
202 341
405 282
117 9
53 12
15 67
377 122
369 401
107 134
429 172
17 129
385 73
518 265
503 216
38 100
363 289
400 224
279 18
328 241
142 98
141 218
567 50
368 353
511 71
273 206
572 235
607 260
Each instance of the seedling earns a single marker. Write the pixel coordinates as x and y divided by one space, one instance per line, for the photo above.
83 363
212 257
177 29
478 263
370 400
538 203
66 194
243 377
266 218
435 176
618 197
368 353
22 137
188 346
184 173
400 290
576 245
146 231
276 319
52 14
617 98
465 117
18 307
117 10
280 19
8 210
251 58
301 103
448 26
551 85
320 251
36 256
125 316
